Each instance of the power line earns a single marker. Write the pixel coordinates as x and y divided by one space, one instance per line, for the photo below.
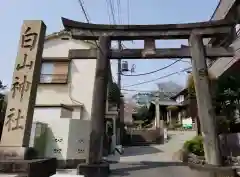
112 10
128 12
88 20
119 11
81 2
142 74
84 11
109 12
186 69
144 91
189 62
162 77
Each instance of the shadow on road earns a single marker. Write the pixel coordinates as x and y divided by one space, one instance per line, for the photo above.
140 150
126 169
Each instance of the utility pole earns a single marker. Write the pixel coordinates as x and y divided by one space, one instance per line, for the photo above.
119 86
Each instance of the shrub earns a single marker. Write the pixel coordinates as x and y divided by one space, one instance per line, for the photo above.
195 146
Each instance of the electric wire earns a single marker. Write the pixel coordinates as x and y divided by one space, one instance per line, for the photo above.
143 91
109 12
88 20
222 42
112 11
160 69
81 3
128 12
119 11
162 77
111 4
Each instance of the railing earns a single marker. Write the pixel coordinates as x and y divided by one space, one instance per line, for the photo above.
53 78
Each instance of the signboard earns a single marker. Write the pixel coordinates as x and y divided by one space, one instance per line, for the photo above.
187 123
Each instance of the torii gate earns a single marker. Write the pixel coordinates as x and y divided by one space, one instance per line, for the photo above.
194 32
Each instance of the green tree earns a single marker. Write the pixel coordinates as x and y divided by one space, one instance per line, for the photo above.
113 93
142 113
192 100
226 100
3 106
2 97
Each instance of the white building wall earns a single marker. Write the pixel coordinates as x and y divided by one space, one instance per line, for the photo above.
46 114
69 136
79 90
57 129
81 78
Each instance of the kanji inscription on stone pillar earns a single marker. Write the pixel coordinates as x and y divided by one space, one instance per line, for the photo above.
26 76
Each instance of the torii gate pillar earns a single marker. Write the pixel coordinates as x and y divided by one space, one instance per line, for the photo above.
204 100
94 165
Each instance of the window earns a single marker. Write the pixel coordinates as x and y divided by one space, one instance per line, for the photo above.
54 73
180 99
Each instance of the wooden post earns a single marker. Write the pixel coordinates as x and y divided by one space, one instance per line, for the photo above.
204 101
22 96
99 101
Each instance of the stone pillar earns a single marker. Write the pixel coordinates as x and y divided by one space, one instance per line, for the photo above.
157 113
168 117
179 117
21 100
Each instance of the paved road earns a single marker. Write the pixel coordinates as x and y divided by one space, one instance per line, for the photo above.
155 160
149 161
155 153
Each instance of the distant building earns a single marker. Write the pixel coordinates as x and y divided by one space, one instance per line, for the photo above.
143 98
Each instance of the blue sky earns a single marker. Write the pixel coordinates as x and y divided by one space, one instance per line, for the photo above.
13 12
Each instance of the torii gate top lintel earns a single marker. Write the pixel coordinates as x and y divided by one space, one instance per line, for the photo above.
88 31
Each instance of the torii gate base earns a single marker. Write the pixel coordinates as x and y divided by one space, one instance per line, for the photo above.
194 32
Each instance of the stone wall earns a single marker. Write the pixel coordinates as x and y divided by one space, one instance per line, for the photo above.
143 137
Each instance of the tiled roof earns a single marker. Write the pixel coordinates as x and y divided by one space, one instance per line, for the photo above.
62 33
